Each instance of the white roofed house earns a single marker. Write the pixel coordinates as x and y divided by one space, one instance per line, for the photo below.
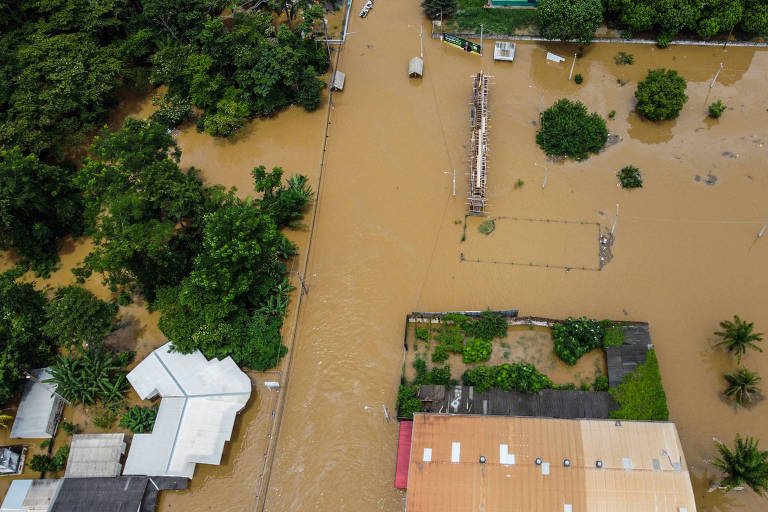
197 413
40 408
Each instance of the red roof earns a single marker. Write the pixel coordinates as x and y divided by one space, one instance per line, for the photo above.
403 454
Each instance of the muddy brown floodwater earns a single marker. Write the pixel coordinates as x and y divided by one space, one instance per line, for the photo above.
386 243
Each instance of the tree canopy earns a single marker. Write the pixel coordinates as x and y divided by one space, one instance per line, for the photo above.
23 345
38 205
568 130
745 464
661 95
76 318
570 19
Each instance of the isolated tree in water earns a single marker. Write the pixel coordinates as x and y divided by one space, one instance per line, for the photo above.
745 465
570 19
661 95
737 336
742 385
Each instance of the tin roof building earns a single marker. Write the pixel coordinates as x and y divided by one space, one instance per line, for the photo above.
95 455
40 408
200 401
495 463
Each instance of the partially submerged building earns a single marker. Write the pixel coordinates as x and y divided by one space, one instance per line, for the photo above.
197 413
494 463
12 459
40 408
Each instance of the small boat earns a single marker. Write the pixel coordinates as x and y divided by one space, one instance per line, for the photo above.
366 8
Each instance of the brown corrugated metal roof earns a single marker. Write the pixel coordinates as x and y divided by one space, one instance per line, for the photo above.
643 467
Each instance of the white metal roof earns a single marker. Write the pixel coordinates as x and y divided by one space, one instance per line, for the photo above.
95 455
30 495
415 67
337 80
34 418
196 415
504 50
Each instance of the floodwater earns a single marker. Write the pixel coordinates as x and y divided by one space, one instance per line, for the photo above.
386 243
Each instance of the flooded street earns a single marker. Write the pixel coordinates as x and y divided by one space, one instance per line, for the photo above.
386 242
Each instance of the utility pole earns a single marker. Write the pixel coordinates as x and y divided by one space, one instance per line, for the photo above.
716 75
327 48
304 290
481 39
572 66
546 175
421 40
762 230
616 219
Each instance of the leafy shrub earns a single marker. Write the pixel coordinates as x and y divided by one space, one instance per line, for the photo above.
89 375
490 325
570 19
578 78
517 376
568 130
139 419
663 39
641 395
455 318
614 336
486 227
70 428
584 386
40 463
104 418
45 444
59 460
612 114
124 299
173 110
575 337
716 109
439 355
422 333
451 338
629 177
518 184
567 386
661 95
440 376
407 401
623 59
600 383
420 366
477 350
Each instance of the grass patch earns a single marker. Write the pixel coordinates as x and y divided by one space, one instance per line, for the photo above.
494 21
486 227
641 395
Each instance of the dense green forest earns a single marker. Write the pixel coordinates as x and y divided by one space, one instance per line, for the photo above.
213 264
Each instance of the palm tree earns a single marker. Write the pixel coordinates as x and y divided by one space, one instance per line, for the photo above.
741 384
737 336
745 465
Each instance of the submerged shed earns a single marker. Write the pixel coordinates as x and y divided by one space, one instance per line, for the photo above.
40 408
337 81
416 68
504 50
200 401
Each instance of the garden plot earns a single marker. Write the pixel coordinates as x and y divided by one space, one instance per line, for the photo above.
522 344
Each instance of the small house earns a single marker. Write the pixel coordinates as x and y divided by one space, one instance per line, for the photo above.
337 81
416 68
40 408
12 459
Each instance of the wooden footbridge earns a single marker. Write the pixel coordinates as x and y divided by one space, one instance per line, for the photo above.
478 144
